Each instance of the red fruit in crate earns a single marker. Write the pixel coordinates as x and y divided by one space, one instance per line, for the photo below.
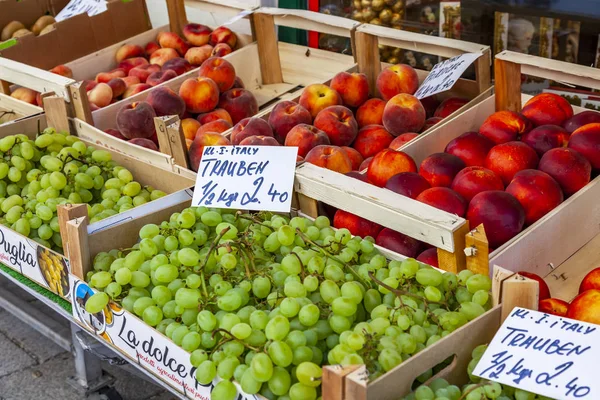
509 158
305 137
581 119
547 108
202 140
544 289
352 86
471 147
397 79
586 307
115 133
586 140
429 122
444 199
474 180
429 257
398 242
338 123
388 163
440 169
147 143
371 140
546 137
590 281
356 225
554 306
370 113
286 115
365 164
569 168
409 184
449 106
357 175
403 113
401 140
330 157
355 158
247 127
537 192
500 213
504 126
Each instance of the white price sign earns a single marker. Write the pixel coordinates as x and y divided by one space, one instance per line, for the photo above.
76 7
544 354
445 74
246 177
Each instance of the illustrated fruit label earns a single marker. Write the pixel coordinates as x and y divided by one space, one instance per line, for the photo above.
544 354
40 264
258 178
142 344
445 74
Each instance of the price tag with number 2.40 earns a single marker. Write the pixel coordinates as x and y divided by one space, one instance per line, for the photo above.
246 177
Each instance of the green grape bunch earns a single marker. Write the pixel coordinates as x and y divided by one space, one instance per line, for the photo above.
38 175
266 300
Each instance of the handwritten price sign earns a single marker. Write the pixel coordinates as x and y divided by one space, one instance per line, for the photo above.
246 177
445 74
544 354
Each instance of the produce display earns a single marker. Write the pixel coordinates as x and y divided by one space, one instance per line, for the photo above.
16 29
267 301
37 175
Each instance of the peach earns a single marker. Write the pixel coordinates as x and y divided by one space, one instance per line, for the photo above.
130 63
221 50
509 158
156 78
306 137
352 87
397 79
142 142
197 55
144 71
260 141
38 99
218 126
196 34
581 119
403 113
429 122
136 120
118 87
569 168
217 113
586 307
128 51
101 95
590 281
190 126
355 158
338 123
286 115
222 34
62 70
537 192
544 290
504 126
500 213
330 157
398 242
238 83
371 140
546 137
200 95
250 127
471 147
166 102
89 85
429 257
370 113
547 109
202 140
445 199
161 56
171 40
135 89
131 80
449 106
554 306
239 103
387 163
365 164
115 133
27 95
439 169
409 184
586 140
356 225
401 140
317 97
179 65
219 70
473 180
150 48
104 77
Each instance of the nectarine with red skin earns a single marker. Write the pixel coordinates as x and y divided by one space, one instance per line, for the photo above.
537 192
306 137
586 140
590 281
547 109
546 137
505 126
581 119
444 199
365 164
330 157
439 169
357 175
429 257
449 106
401 140
502 216
586 307
398 242
554 306
409 184
356 225
371 140
387 163
429 122
570 169
142 142
474 180
471 147
338 123
507 159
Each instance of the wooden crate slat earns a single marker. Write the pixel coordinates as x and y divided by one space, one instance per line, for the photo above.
34 78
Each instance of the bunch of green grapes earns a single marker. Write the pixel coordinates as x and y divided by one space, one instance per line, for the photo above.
266 301
476 389
38 175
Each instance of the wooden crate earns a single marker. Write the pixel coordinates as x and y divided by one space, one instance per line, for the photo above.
12 109
370 37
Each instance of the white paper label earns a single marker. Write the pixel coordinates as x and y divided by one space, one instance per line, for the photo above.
445 74
40 264
544 354
237 17
76 7
246 177
142 344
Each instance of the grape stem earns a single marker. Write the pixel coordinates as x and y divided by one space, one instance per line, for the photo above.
213 246
466 393
255 220
301 265
399 292
231 337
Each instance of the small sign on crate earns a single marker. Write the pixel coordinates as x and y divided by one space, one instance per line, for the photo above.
445 74
246 177
544 354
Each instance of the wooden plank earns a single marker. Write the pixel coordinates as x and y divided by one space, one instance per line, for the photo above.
367 58
34 78
79 252
311 21
308 205
334 380
455 261
171 139
177 16
518 291
66 213
499 276
482 71
80 103
263 31
56 113
20 107
478 251
508 85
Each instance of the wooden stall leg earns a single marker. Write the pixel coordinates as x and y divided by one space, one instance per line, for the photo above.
482 71
508 94
263 31
79 250
4 87
457 261
67 212
518 291
477 251
367 58
177 16
56 113
334 379
171 139
80 103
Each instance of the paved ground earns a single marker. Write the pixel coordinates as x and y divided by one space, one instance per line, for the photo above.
34 368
